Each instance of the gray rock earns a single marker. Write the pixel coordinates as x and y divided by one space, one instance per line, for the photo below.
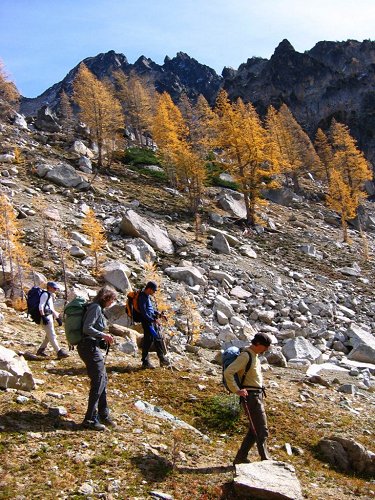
140 250
348 455
85 165
14 371
65 175
47 120
76 251
221 276
269 479
248 251
348 389
19 121
221 244
187 274
116 274
80 148
134 225
301 348
233 203
224 306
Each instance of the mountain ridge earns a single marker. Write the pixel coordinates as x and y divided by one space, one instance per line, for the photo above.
332 80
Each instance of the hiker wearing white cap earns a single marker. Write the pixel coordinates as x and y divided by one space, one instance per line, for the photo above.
48 314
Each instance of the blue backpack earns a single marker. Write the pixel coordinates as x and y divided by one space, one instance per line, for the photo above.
229 355
32 300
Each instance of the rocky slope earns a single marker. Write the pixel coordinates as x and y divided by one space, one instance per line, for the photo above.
291 277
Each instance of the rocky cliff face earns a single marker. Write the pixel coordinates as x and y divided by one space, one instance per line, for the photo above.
332 80
181 74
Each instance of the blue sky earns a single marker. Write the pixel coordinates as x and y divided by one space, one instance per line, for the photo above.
41 40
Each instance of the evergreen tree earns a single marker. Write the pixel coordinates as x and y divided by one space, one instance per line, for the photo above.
99 109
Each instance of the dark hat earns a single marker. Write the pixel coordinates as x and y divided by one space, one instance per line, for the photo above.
53 284
262 338
152 285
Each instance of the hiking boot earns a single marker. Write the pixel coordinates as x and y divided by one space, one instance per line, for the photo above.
108 422
42 352
147 365
93 425
165 362
62 354
239 460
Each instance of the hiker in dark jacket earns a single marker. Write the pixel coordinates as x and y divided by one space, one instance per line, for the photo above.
251 394
150 325
89 350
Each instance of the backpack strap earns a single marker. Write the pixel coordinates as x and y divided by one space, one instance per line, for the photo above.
248 366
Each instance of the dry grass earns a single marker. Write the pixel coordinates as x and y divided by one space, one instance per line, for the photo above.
48 457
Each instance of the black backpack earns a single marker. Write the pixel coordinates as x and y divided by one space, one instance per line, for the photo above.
33 299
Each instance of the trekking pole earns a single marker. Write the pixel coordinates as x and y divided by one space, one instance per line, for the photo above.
252 426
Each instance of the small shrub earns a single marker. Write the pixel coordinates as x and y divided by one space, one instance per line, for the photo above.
140 156
220 412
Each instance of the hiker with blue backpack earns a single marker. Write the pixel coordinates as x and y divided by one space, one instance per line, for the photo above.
90 351
243 376
149 318
43 312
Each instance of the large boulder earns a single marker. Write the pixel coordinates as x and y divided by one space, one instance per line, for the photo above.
348 455
80 148
233 203
221 244
269 480
301 348
134 225
117 274
280 196
363 344
65 175
47 120
188 274
140 250
14 371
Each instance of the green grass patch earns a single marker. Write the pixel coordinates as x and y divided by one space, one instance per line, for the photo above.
219 413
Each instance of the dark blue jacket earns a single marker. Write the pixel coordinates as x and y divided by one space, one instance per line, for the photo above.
146 308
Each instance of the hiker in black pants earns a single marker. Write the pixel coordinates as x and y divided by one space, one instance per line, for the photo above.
150 325
89 350
251 393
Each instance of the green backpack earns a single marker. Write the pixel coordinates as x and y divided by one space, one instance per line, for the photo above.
73 320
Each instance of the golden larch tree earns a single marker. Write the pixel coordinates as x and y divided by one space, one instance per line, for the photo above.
137 97
9 95
341 200
246 149
99 109
96 233
325 153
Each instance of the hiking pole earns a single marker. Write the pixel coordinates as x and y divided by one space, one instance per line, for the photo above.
252 426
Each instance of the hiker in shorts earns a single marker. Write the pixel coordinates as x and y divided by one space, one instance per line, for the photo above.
90 351
48 314
251 393
150 324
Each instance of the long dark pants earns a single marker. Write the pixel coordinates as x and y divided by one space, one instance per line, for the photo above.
258 430
148 339
93 358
